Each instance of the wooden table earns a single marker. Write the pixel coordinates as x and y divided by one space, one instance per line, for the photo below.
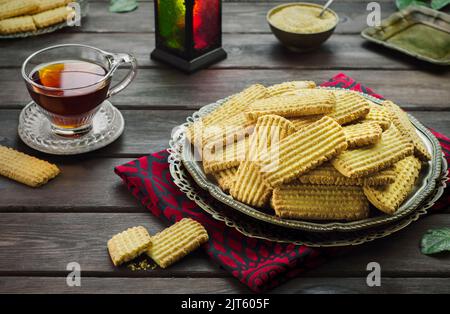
71 218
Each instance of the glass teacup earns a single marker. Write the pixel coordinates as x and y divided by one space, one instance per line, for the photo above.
70 82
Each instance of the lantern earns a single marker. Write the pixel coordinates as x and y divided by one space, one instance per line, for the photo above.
188 33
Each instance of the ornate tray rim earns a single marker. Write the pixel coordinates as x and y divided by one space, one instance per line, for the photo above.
176 145
181 179
41 31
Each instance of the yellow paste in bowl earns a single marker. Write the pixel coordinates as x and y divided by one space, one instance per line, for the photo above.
302 19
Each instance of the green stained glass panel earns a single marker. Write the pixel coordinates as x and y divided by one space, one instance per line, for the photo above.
171 23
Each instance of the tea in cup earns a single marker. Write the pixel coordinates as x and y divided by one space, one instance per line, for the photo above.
70 82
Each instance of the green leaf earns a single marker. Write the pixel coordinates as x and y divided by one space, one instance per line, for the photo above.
439 4
401 4
121 6
435 241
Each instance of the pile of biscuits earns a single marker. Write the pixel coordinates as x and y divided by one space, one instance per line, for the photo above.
310 153
17 16
165 247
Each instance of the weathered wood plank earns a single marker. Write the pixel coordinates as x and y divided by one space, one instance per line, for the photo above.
48 234
219 285
34 237
237 17
244 51
149 131
164 88
85 184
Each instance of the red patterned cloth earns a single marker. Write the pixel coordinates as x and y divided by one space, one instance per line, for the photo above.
259 264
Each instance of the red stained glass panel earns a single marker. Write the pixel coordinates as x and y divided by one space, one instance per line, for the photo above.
206 22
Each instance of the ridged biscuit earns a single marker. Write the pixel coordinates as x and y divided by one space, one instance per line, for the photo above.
362 134
200 135
51 17
229 115
316 202
177 241
326 174
17 7
129 244
226 133
218 158
24 168
404 125
45 5
289 87
268 132
301 122
17 25
388 198
361 162
303 151
236 105
249 186
308 102
350 106
226 178
378 114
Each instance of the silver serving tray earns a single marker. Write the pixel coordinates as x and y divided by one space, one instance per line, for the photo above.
261 230
428 182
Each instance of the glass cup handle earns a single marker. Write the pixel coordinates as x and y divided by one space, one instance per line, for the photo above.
118 60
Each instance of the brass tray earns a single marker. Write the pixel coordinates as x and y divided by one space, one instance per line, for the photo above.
417 31
428 182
